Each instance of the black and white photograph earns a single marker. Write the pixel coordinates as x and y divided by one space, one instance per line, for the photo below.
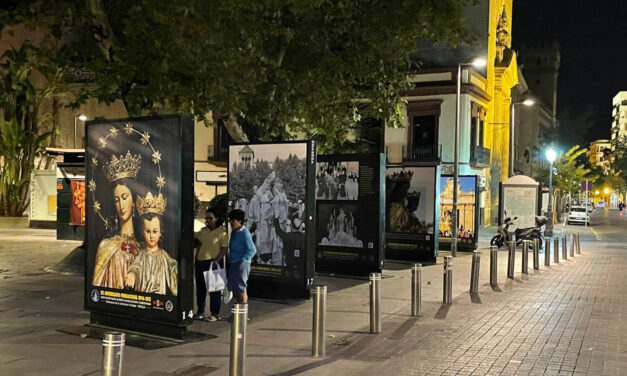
337 180
338 224
268 182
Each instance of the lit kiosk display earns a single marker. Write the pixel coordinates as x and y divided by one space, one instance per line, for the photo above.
273 184
412 213
467 212
350 202
519 198
139 231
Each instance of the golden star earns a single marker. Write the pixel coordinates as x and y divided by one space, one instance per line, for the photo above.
156 157
160 182
103 142
96 206
145 138
94 161
129 129
92 185
113 132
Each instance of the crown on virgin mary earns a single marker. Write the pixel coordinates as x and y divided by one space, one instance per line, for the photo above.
151 204
127 166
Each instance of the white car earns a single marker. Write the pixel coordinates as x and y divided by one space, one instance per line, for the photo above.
590 206
578 214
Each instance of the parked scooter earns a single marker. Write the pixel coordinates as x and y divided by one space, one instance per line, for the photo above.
531 233
502 233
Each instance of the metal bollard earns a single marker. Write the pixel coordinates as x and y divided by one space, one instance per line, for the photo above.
318 332
536 253
578 244
447 296
375 303
525 257
112 353
474 272
547 251
511 259
572 245
564 248
416 290
556 250
238 340
494 263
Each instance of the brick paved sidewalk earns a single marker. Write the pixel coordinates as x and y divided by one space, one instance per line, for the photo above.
565 320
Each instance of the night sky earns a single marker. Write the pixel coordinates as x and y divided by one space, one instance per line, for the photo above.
593 42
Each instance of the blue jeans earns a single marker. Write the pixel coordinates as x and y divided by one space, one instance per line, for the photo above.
215 298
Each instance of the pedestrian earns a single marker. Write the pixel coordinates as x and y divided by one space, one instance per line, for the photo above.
241 251
212 246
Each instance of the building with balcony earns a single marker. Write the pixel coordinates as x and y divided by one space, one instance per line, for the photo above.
485 93
599 154
619 120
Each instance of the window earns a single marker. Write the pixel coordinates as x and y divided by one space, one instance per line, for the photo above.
423 130
477 124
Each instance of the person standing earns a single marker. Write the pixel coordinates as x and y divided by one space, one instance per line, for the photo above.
241 251
212 247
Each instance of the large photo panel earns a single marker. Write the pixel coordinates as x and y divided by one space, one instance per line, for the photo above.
411 213
351 213
270 183
467 212
135 213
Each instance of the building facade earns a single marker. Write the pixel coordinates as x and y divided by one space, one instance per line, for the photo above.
484 106
599 154
619 120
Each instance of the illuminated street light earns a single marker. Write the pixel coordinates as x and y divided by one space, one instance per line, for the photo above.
479 62
81 118
550 156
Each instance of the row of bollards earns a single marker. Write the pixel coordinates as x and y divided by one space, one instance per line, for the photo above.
113 342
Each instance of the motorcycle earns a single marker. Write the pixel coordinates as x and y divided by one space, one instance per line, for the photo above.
531 233
502 233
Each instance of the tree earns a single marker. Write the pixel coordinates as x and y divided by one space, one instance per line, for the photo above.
24 129
267 68
571 171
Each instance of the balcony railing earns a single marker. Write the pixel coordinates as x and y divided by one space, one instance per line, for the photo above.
479 156
428 152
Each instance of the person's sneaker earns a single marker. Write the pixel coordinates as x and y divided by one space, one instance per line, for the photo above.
200 317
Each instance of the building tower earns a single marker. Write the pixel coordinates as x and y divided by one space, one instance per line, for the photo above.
247 157
619 120
541 65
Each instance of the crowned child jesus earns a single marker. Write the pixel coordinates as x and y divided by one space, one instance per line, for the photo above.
153 271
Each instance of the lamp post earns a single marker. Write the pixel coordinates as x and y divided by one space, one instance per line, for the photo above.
81 118
477 63
550 156
526 102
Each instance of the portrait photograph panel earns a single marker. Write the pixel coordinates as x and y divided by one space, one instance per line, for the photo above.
337 180
410 199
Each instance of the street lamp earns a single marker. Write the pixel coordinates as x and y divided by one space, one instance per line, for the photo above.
550 156
477 63
526 102
81 118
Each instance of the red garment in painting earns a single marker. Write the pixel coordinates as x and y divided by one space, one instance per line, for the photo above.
77 207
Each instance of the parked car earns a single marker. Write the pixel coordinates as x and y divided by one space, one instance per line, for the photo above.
590 206
578 214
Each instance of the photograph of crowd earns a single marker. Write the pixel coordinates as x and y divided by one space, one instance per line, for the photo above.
410 198
337 225
466 207
268 182
337 180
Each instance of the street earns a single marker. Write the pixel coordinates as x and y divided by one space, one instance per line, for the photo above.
560 320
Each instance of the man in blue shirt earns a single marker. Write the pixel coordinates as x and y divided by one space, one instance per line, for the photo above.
241 251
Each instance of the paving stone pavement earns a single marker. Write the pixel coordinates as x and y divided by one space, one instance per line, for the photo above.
562 321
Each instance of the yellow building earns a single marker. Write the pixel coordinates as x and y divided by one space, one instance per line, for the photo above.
465 207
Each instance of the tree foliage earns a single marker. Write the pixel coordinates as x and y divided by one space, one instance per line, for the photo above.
571 171
23 128
271 66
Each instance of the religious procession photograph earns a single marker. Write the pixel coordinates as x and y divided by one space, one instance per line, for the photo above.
337 180
268 182
338 224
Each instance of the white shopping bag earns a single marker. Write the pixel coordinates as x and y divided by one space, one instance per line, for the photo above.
215 279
